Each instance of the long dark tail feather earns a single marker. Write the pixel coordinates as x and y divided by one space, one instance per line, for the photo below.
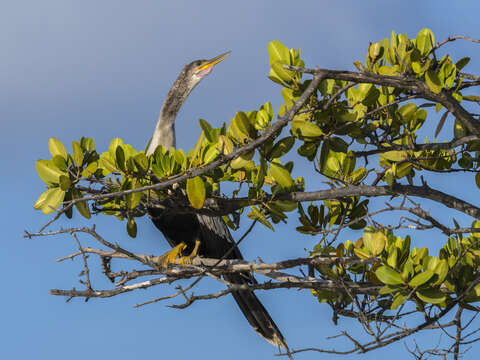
256 314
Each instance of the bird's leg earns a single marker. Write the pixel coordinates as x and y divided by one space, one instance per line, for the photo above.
170 256
188 258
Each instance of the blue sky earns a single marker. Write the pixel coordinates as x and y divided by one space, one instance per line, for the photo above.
101 69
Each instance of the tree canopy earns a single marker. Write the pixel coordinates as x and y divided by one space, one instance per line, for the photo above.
364 134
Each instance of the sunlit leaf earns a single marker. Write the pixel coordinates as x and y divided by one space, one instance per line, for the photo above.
433 82
196 192
57 148
421 278
388 276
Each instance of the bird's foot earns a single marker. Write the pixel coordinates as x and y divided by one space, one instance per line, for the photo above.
171 256
188 258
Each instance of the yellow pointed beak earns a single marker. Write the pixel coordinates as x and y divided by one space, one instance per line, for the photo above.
214 61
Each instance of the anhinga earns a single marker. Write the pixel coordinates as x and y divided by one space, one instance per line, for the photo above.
207 234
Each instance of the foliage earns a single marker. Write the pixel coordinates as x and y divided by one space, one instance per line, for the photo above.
355 129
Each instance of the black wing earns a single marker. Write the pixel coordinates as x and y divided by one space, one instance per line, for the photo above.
216 241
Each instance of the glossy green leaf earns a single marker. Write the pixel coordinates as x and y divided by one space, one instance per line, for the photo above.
407 112
244 161
87 144
433 82
282 147
50 200
114 144
284 74
60 163
393 255
431 295
388 276
387 289
196 192
302 128
425 41
57 148
207 129
280 174
77 153
441 269
255 214
48 172
278 52
358 175
64 182
398 300
120 158
107 163
362 253
421 278
374 240
82 206
460 64
132 227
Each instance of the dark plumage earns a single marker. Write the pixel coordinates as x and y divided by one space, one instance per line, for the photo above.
215 238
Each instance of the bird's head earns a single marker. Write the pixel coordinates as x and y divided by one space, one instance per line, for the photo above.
198 69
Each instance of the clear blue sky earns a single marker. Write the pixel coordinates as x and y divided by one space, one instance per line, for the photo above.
101 69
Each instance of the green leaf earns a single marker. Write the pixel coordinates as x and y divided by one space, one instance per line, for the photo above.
431 295
433 82
87 144
425 41
393 254
362 253
282 73
207 129
64 182
60 163
77 153
388 276
114 144
374 240
57 148
196 192
441 269
407 112
358 175
278 52
244 161
50 200
460 64
82 206
120 158
262 171
133 199
132 227
421 278
387 289
107 163
282 147
280 174
398 300
302 128
255 214
141 161
240 127
48 172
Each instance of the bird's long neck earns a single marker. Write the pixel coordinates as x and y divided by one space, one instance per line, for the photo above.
164 133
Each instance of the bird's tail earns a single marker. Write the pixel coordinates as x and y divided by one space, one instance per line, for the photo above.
256 314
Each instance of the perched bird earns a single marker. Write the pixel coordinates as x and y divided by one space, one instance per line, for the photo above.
207 235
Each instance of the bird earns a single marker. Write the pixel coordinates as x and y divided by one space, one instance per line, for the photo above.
193 233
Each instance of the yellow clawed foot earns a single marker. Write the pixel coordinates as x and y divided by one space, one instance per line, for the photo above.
170 256
188 259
